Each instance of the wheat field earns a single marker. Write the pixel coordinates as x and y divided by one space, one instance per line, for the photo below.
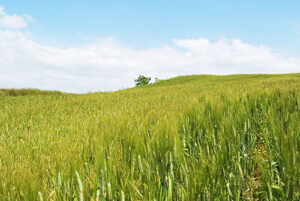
198 137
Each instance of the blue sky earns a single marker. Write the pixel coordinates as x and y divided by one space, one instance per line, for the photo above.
151 26
150 23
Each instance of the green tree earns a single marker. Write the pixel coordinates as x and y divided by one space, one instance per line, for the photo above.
142 80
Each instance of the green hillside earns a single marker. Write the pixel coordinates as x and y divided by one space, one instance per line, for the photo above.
26 92
199 137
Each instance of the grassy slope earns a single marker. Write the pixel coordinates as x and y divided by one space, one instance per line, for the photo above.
195 137
27 92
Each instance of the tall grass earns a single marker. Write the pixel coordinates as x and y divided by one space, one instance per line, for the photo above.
26 92
189 138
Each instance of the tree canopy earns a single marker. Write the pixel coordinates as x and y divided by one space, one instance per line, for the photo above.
142 80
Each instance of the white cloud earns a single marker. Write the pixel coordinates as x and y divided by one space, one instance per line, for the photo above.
28 18
108 65
13 21
2 10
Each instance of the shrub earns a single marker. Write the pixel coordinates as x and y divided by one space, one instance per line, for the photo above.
142 80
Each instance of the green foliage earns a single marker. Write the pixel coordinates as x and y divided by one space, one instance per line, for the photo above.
189 138
142 80
26 92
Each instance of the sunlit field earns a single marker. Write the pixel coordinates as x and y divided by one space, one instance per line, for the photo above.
196 137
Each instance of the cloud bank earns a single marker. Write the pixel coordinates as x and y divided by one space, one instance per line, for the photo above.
13 21
108 65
